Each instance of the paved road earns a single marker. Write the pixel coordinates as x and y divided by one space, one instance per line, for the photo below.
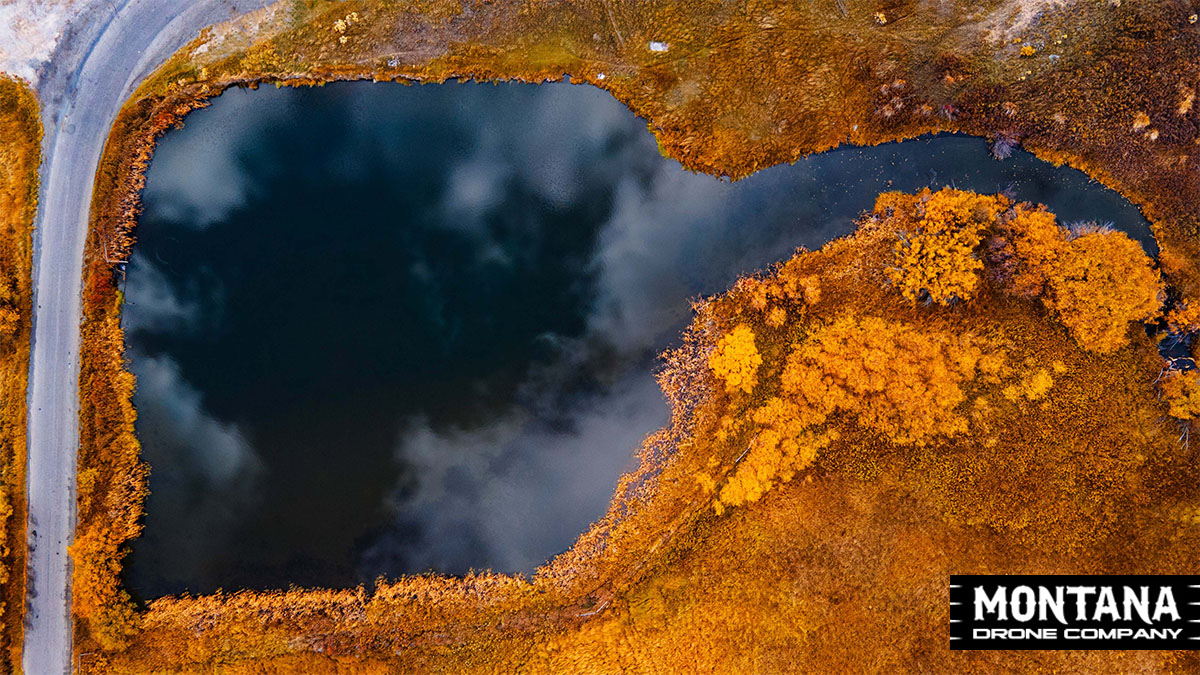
109 51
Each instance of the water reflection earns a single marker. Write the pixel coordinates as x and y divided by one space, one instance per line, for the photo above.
384 329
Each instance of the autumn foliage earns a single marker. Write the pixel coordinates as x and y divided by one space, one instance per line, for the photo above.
896 379
735 361
1104 282
111 489
1181 391
782 446
20 155
111 478
937 258
1184 317
1032 387
1096 280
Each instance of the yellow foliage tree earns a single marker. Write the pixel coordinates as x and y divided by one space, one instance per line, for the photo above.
781 448
1027 250
936 258
736 360
1184 317
1102 282
96 597
1034 387
1096 280
1181 391
899 380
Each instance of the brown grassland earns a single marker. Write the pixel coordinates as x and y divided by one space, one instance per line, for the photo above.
20 155
961 386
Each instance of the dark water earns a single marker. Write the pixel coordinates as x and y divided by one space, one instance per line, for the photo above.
382 329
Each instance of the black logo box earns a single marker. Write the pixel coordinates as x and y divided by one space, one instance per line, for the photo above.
968 631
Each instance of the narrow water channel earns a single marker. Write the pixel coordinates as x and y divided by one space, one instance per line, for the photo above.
381 329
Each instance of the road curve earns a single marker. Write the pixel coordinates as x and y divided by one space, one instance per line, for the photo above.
117 48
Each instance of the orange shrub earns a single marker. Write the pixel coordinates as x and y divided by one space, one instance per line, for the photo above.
1181 391
1096 280
1033 387
1027 249
899 380
1184 317
936 258
781 447
1101 283
736 360
108 610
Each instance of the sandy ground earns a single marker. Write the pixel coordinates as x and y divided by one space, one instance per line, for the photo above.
29 32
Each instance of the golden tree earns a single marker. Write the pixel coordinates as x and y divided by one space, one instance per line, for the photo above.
96 595
1033 387
781 447
1184 317
736 360
1181 391
1101 283
1096 280
1026 249
936 258
899 380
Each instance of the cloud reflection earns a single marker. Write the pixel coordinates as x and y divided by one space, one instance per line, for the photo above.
509 496
204 469
200 176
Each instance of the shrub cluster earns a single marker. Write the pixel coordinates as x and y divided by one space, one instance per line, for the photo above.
20 155
1096 280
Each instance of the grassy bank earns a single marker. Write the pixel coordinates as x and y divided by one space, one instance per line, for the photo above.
20 156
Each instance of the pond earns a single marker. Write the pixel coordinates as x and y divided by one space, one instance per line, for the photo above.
381 329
